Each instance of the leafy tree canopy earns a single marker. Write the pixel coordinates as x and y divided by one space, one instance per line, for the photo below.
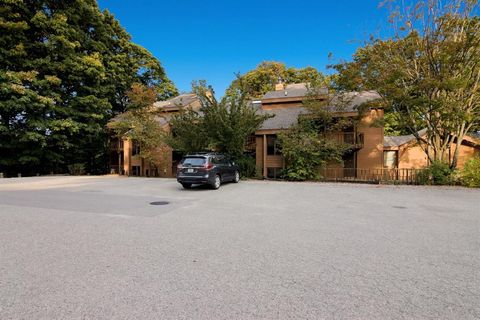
428 73
142 124
262 79
222 126
64 69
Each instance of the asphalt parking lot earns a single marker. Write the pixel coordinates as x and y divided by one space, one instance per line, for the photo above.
96 248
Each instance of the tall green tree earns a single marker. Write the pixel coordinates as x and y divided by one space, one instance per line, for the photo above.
188 133
142 123
313 142
222 126
428 73
64 69
257 82
306 152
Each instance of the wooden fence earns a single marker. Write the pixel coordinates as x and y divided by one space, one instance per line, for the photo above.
403 176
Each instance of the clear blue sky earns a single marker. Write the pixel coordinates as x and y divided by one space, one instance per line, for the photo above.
213 39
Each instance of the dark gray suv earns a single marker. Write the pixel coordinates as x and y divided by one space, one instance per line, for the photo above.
207 168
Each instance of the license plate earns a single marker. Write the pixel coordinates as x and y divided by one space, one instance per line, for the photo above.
190 170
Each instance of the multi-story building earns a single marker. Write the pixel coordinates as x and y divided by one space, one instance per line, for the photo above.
286 104
370 152
125 156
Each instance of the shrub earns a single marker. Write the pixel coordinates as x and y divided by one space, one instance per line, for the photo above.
305 152
247 166
76 169
470 175
438 173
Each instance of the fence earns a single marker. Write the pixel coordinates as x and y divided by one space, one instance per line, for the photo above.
403 176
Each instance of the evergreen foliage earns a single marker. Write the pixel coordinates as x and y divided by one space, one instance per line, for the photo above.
64 69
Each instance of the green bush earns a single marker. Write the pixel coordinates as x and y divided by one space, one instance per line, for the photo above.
306 152
470 175
76 169
247 166
438 173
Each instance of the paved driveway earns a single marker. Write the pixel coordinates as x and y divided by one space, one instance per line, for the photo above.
94 248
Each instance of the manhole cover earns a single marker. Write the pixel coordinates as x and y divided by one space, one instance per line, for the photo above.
159 203
399 207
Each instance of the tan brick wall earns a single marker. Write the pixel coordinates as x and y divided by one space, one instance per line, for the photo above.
371 155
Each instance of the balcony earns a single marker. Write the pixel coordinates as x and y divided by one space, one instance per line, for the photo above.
115 145
356 140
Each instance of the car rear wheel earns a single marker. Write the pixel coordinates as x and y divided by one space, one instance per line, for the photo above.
217 182
186 185
236 177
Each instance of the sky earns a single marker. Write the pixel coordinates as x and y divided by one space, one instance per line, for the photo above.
215 39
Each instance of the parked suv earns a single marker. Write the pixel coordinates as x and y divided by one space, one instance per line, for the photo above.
207 168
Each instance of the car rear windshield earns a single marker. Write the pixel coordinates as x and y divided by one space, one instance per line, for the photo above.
194 161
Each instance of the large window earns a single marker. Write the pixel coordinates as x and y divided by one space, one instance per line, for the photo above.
273 148
135 149
194 161
390 159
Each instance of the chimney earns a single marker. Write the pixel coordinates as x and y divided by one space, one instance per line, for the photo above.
280 85
209 94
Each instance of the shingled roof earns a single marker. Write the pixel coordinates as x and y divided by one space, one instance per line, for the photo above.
395 141
284 118
291 91
181 100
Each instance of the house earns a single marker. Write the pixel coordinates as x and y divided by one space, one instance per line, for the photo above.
370 154
286 104
125 154
404 152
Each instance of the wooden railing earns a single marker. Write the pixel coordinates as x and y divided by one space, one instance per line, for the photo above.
352 138
115 145
404 176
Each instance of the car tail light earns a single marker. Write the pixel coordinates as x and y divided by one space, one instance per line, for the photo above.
208 166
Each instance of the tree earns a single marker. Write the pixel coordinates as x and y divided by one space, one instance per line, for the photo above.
306 151
188 133
311 143
230 121
64 69
142 125
428 73
262 79
222 126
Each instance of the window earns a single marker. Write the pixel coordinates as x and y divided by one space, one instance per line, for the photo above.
390 159
250 144
136 171
135 149
273 149
194 161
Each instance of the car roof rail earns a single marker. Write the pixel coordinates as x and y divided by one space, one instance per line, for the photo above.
204 153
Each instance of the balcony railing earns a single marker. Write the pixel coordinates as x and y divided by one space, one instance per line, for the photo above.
115 145
351 138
